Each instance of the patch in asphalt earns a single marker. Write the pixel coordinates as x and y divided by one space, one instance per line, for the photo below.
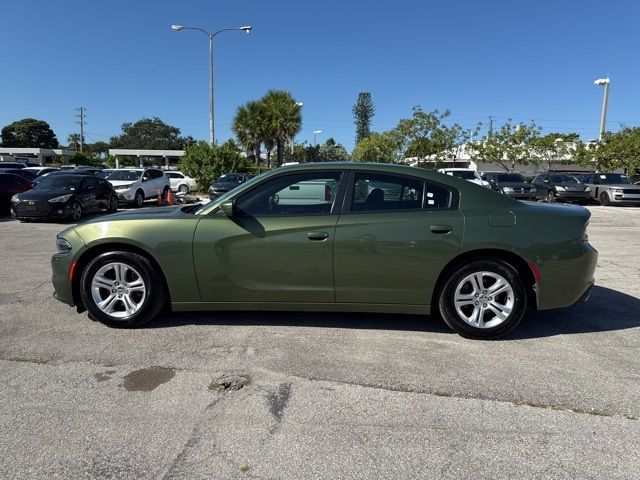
231 381
147 379
277 402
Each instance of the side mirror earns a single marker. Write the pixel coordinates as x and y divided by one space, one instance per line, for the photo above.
227 208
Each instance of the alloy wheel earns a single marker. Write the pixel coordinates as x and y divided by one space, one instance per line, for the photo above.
118 290
484 299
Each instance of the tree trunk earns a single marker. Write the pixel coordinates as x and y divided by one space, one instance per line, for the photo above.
280 150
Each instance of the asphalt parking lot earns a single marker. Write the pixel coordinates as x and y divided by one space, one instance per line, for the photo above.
326 395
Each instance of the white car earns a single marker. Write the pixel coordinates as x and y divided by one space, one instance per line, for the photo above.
181 182
135 185
465 174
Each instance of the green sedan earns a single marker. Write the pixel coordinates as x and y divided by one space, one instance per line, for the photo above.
334 237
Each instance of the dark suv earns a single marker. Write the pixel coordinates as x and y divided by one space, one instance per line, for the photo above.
227 182
511 184
561 187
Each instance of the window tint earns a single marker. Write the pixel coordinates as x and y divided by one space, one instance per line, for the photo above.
90 182
376 192
7 181
155 173
297 194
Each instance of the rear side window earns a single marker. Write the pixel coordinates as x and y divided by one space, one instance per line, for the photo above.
379 192
155 173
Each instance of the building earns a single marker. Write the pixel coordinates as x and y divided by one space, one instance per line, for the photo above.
38 156
166 159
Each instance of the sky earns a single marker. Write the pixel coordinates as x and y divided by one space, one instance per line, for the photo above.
120 60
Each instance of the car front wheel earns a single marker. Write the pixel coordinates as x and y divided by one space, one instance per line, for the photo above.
138 200
75 212
122 289
604 199
484 299
112 205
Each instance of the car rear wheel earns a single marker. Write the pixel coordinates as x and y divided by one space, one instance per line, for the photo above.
484 299
112 205
183 188
75 212
551 196
138 200
604 199
122 289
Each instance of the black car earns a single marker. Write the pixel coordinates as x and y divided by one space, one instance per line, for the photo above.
5 165
227 182
562 187
10 185
510 184
61 196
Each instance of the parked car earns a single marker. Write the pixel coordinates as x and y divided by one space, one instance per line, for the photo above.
64 197
561 187
510 184
466 174
5 165
227 182
477 258
10 184
612 188
135 185
39 171
180 182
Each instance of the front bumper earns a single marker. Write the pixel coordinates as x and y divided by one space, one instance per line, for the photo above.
521 195
624 198
125 196
573 196
61 267
40 210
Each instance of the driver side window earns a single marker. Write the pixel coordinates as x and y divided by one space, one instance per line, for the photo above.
312 193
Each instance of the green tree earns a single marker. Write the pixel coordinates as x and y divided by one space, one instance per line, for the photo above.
554 149
509 146
97 149
377 147
249 129
205 163
616 150
363 112
332 151
150 133
421 135
28 133
73 141
283 119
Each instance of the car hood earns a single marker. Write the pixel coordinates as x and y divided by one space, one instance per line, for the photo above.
117 183
619 185
146 213
580 186
45 194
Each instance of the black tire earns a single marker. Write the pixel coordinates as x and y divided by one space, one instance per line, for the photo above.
604 199
183 188
165 194
75 212
551 196
138 199
151 304
112 204
451 317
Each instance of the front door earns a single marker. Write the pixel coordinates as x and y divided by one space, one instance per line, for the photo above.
396 235
277 247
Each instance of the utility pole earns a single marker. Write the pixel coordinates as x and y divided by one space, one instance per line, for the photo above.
81 112
490 126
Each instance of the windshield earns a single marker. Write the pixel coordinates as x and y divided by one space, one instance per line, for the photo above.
60 182
564 179
464 174
510 177
127 175
104 173
205 207
227 178
616 178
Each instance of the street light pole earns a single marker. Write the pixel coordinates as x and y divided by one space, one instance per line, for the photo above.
315 141
605 100
293 138
247 29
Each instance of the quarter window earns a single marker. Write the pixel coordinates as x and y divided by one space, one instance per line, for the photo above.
297 194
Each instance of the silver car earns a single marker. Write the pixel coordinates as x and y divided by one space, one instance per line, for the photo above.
612 188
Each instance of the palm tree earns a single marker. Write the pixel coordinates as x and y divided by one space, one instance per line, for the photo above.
248 129
283 119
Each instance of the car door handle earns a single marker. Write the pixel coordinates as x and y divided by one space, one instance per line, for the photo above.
441 228
317 236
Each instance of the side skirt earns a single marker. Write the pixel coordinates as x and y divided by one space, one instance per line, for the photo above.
303 307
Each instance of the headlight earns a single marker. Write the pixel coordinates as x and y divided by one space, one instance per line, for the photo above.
63 245
507 189
61 199
616 190
561 189
15 198
122 187
588 189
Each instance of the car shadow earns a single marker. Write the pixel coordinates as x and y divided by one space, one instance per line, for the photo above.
606 310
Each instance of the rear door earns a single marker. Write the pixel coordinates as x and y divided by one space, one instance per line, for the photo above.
88 195
393 238
278 246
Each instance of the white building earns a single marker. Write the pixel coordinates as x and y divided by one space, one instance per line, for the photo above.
40 156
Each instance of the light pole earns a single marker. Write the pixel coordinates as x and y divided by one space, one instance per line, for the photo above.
605 99
247 29
316 132
293 138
